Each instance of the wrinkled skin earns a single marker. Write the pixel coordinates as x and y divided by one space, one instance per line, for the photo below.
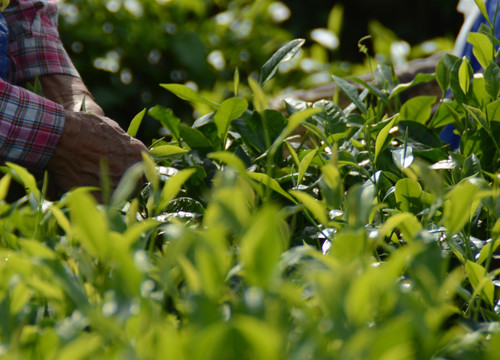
87 139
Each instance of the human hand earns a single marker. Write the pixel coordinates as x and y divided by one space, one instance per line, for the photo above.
86 140
70 92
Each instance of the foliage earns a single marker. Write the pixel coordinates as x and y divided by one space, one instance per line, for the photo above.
123 48
315 232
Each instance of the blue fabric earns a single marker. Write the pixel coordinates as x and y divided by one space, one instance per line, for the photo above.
4 43
447 135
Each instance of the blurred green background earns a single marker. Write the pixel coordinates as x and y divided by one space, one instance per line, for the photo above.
125 48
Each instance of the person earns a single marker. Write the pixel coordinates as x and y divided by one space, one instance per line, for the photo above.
50 132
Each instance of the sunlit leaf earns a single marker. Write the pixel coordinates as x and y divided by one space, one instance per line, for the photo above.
381 141
417 109
90 226
163 151
4 186
25 177
482 48
261 247
259 98
458 207
479 280
229 110
482 7
173 186
304 164
135 123
406 222
230 159
317 209
186 93
408 195
268 181
284 54
403 157
167 119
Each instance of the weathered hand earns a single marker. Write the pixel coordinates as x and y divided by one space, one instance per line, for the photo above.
70 92
85 141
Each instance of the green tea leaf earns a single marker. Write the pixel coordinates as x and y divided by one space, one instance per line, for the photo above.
493 110
333 188
229 110
456 80
477 115
230 159
163 151
268 181
304 164
259 98
317 209
480 282
61 219
443 70
4 186
135 123
417 109
482 48
186 93
403 157
492 79
167 119
374 91
459 206
236 82
381 141
488 251
89 224
464 76
420 78
359 204
406 222
351 92
127 185
293 122
173 186
25 177
283 54
408 195
195 138
149 167
335 17
482 7
261 246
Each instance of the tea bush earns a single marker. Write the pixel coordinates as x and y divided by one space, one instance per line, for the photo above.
312 232
123 48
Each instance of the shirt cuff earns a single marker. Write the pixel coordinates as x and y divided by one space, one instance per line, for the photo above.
30 127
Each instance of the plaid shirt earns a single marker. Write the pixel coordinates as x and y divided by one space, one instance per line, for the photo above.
30 126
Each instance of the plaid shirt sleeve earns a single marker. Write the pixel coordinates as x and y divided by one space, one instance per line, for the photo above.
30 126
34 42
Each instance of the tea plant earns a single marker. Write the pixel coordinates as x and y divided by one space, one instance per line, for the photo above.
310 232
